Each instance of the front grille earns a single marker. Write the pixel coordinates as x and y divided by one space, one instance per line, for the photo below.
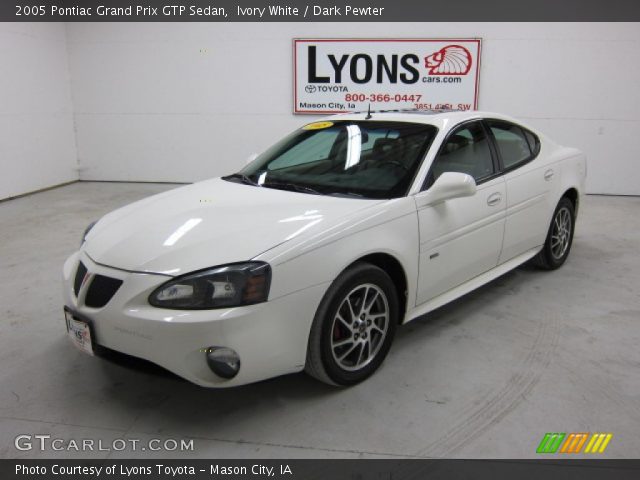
101 290
80 273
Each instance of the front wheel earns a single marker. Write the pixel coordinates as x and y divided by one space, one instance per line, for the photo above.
353 327
559 237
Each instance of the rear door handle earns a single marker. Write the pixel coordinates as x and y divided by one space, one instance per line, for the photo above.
548 175
494 199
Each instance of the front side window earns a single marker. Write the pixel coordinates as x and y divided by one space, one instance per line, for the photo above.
369 159
511 142
466 151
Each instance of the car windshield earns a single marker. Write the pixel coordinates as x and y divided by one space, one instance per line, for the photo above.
366 159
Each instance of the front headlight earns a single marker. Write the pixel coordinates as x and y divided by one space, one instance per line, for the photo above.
219 287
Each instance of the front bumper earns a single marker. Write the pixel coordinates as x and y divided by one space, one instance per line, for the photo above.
270 338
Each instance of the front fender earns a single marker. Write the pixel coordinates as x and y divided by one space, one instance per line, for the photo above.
391 228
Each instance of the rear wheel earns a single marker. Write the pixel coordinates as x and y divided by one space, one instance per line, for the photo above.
559 237
353 327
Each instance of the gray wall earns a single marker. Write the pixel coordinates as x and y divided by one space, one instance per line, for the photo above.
190 101
37 143
184 102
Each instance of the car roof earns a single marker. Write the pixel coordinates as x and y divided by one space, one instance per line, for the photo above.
439 118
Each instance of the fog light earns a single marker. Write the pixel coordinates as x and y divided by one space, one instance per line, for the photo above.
223 361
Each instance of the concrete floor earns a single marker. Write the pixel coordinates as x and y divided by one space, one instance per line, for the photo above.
486 376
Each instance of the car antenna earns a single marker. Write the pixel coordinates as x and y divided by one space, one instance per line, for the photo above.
368 113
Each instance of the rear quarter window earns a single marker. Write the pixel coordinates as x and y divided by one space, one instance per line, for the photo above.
534 142
513 145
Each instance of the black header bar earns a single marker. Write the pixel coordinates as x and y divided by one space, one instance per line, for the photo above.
112 469
319 11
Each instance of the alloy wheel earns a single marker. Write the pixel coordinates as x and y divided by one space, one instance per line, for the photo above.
561 233
359 327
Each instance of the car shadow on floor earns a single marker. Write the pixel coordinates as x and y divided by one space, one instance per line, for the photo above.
152 370
127 389
297 385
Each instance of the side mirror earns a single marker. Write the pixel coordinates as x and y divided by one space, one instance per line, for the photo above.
251 158
448 185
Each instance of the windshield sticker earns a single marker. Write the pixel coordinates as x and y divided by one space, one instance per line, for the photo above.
317 125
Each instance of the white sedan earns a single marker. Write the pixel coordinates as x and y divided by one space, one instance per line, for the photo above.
310 256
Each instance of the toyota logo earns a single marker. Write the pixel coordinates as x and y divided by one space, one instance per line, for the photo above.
310 88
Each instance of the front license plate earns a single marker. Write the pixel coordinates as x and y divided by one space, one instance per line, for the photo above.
79 333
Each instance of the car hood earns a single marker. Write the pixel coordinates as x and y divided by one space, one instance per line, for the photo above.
210 223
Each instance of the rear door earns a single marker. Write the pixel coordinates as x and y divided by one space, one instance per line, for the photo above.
528 184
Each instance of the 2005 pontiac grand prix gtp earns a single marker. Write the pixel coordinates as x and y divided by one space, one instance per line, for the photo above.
312 255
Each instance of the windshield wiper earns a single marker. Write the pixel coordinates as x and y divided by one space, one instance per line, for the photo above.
242 177
291 186
279 185
345 194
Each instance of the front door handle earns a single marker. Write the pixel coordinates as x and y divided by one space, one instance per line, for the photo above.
548 175
494 199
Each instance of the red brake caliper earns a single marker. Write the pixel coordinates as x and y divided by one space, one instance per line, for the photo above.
336 332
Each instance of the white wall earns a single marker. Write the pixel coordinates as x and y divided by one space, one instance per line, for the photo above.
183 102
37 144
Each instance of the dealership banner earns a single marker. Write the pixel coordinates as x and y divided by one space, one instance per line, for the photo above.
347 75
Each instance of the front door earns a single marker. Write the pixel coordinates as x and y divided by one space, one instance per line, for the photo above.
461 238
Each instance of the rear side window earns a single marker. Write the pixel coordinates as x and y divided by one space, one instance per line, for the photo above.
512 143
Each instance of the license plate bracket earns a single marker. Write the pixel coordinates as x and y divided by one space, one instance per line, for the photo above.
79 332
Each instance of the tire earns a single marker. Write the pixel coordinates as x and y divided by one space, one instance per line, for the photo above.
558 245
344 350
